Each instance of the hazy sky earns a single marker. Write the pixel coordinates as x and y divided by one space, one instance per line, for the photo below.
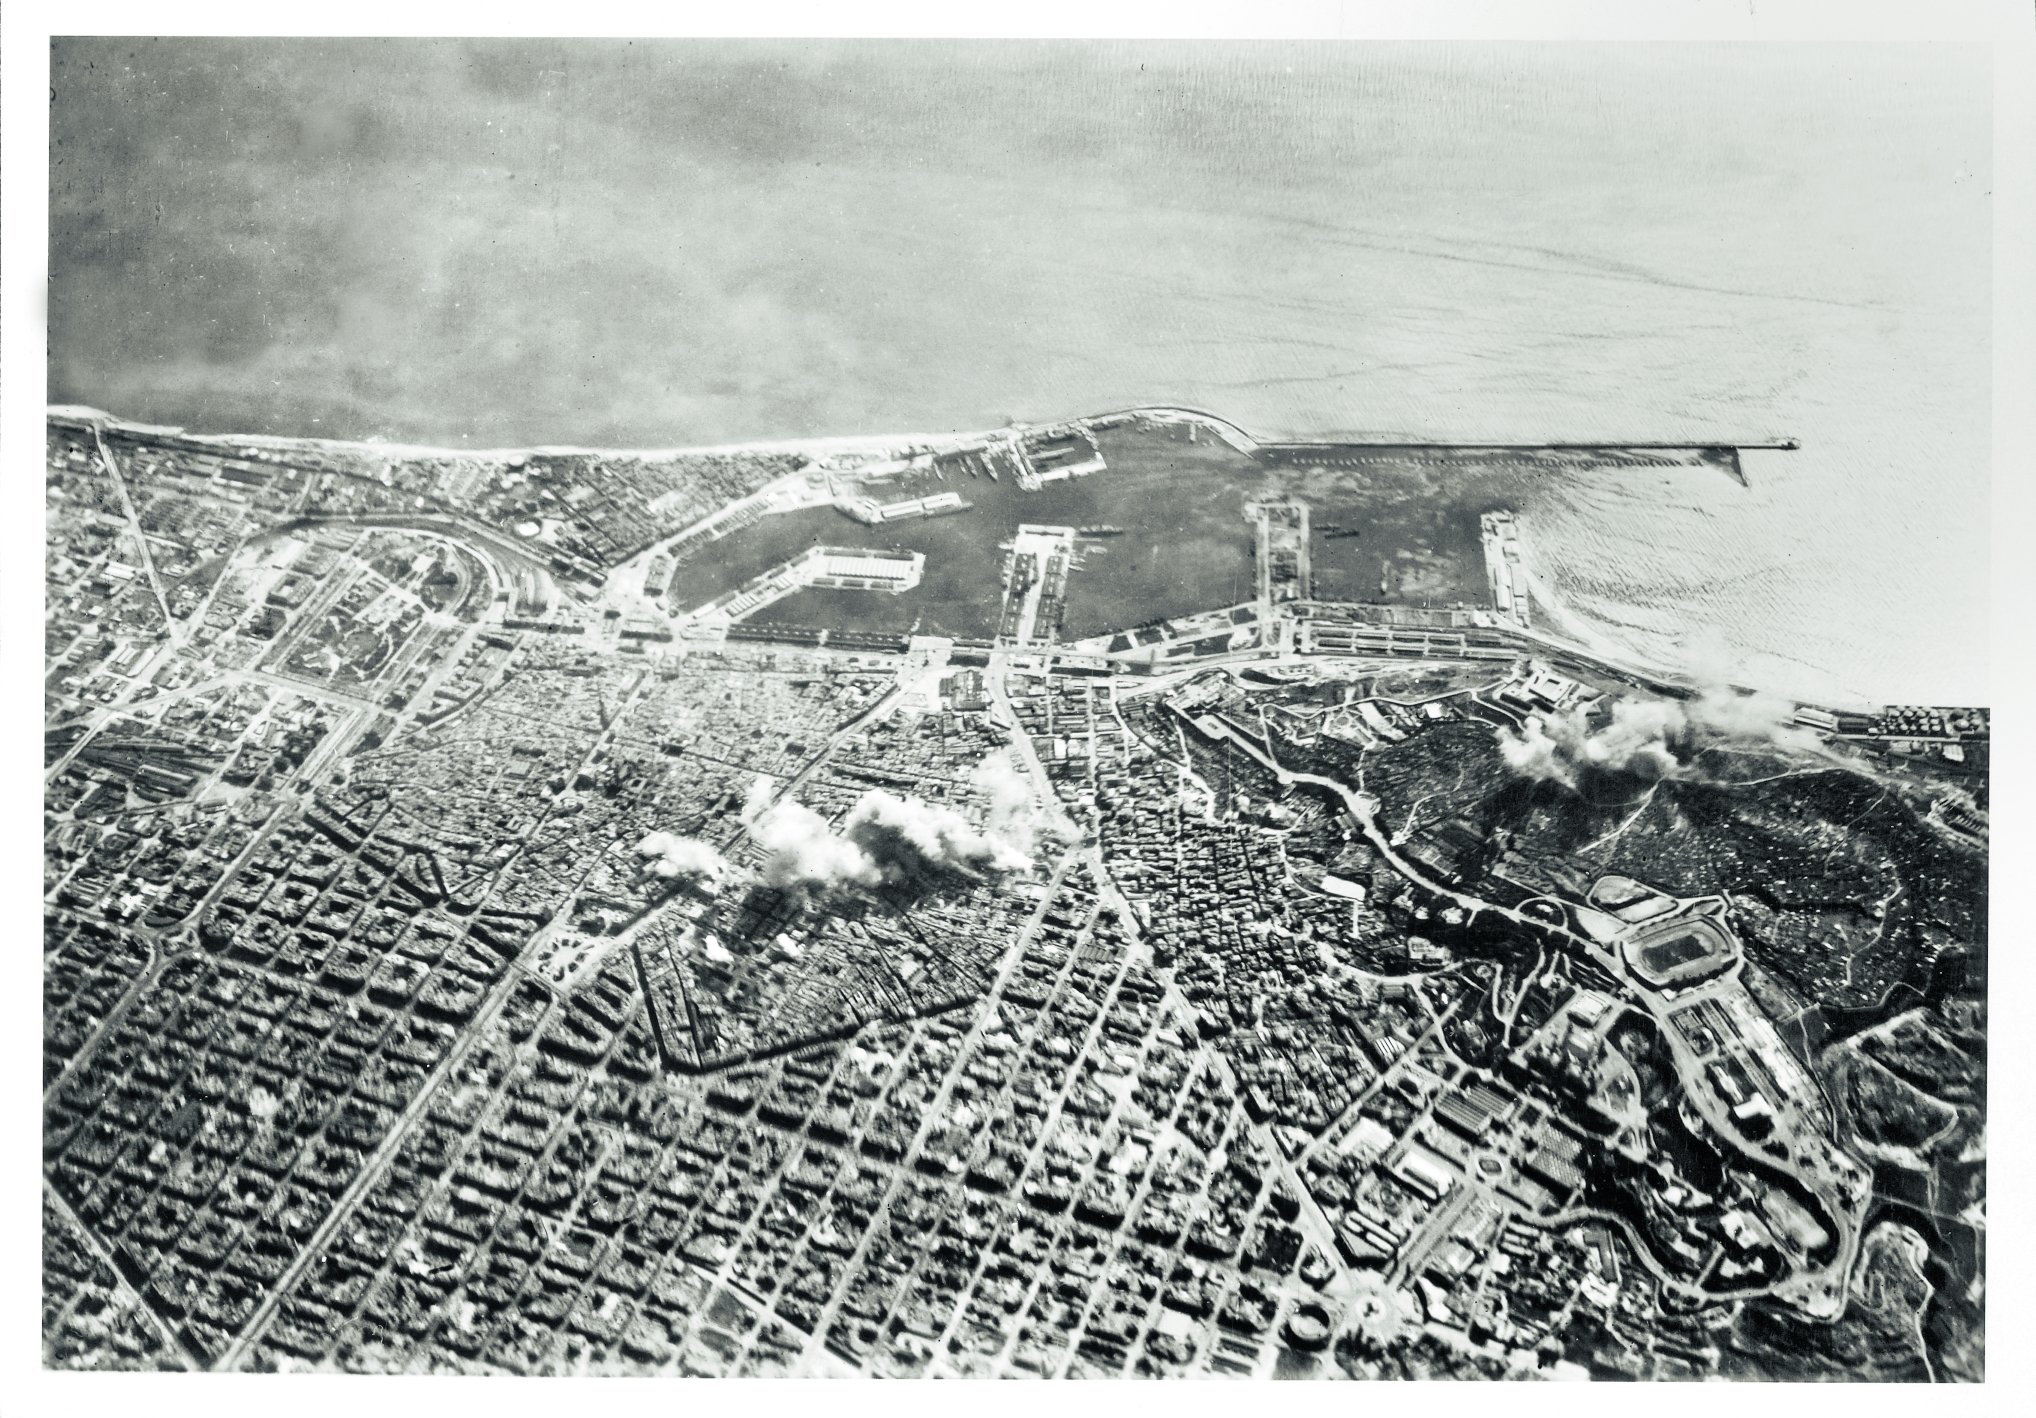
599 241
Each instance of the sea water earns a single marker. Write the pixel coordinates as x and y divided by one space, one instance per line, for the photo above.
651 245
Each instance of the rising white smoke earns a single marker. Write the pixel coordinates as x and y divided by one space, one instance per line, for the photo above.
1000 779
889 840
1015 813
681 858
758 800
1649 738
801 848
1559 745
909 839
802 851
1724 713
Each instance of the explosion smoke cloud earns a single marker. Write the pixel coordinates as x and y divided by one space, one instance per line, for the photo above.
910 840
803 852
890 840
1016 815
675 857
1648 738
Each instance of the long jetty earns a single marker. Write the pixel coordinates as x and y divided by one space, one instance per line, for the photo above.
1724 451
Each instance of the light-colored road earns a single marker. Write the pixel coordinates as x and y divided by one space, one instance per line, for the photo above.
148 561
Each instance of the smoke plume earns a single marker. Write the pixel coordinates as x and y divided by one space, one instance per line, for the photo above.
1649 739
681 858
890 840
910 840
1016 814
803 852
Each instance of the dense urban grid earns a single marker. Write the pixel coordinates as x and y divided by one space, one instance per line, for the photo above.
462 954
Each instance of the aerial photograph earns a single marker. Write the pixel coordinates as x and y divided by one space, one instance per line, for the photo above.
1016 709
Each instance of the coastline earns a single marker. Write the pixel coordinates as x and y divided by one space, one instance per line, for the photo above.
878 443
846 443
1564 627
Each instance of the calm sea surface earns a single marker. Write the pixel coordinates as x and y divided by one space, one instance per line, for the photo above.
652 245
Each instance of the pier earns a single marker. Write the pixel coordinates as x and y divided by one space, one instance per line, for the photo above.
828 568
